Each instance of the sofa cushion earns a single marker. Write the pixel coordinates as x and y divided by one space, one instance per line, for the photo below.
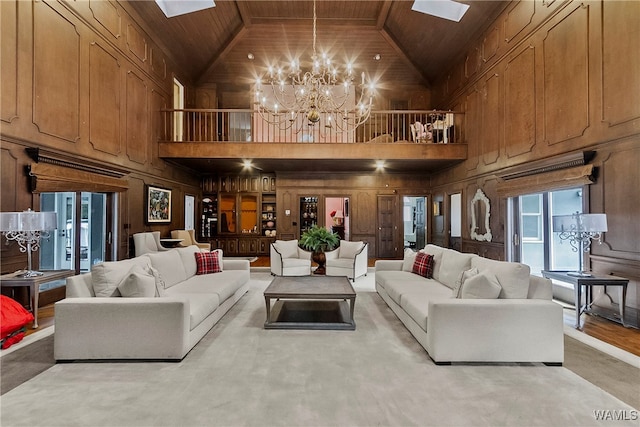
409 259
436 251
224 284
107 276
207 263
341 263
187 255
169 264
349 249
481 286
512 276
453 263
463 276
139 282
287 248
200 307
416 303
407 283
423 265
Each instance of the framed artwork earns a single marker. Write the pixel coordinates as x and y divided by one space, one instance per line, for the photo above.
158 205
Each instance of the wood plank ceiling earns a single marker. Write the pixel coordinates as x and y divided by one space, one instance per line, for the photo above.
212 45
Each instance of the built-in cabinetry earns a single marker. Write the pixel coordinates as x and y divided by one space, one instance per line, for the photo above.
308 212
239 213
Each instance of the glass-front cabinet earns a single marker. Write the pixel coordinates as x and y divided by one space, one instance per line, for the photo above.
308 212
248 215
238 213
228 211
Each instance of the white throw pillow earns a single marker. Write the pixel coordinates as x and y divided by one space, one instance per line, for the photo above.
106 276
409 259
453 263
513 276
463 277
484 285
287 248
159 282
349 249
138 283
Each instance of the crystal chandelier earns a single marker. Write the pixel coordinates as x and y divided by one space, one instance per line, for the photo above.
323 93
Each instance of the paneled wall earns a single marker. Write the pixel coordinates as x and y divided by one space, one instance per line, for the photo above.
554 78
85 79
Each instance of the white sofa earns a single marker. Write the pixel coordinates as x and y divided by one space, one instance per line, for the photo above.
349 259
288 259
521 325
95 322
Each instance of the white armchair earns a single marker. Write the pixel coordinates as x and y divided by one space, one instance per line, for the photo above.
287 259
147 242
349 259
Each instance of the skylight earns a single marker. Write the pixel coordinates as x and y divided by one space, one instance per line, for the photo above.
447 9
173 8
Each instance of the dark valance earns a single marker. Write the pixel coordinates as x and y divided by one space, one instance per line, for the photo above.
45 177
548 181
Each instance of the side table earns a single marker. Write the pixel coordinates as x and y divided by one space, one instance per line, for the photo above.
13 280
589 282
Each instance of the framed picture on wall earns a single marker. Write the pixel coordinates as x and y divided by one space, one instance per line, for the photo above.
158 205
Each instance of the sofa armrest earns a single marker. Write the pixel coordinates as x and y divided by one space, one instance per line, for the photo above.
303 254
500 330
121 328
389 265
236 264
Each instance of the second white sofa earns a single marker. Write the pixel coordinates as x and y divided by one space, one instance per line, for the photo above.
519 323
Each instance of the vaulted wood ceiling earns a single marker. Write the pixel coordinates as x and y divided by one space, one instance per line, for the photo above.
212 45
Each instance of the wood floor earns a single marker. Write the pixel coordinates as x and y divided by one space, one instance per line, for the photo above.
605 330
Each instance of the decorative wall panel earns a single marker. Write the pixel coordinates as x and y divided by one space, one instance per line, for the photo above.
620 195
518 19
8 174
136 43
363 214
9 62
621 62
137 118
104 100
520 93
56 74
107 14
490 44
158 63
472 118
566 72
158 102
492 118
472 62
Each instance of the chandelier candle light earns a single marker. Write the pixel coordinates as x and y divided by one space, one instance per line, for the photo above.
324 92
579 229
27 228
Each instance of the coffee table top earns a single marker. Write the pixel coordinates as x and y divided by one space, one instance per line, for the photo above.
313 287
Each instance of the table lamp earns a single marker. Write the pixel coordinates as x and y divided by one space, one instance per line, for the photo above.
579 229
27 228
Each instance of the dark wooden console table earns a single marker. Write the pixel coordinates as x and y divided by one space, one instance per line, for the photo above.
589 282
13 280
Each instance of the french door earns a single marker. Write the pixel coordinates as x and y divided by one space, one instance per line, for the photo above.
83 237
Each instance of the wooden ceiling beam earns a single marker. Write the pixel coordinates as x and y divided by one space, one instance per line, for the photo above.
384 14
219 56
245 13
401 53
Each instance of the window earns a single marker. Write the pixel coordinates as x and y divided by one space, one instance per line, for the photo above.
533 242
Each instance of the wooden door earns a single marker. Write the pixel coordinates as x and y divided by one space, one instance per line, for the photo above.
387 246
420 222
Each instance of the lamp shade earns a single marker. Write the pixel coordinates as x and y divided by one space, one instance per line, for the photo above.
28 221
596 223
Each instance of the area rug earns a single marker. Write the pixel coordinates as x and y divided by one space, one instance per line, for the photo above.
241 374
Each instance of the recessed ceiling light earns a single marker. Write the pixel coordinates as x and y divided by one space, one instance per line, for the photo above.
250 56
447 9
379 164
172 8
377 57
247 164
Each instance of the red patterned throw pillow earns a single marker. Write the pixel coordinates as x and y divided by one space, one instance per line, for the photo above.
208 262
423 265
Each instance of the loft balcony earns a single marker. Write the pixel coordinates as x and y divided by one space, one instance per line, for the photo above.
209 140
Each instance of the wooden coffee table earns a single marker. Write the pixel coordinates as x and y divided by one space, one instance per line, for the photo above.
310 302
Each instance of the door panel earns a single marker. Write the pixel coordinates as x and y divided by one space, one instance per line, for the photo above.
386 241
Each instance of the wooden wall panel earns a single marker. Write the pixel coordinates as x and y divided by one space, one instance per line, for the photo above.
104 99
136 43
518 18
9 62
472 62
8 174
620 200
137 118
566 72
56 73
473 120
158 63
520 93
620 70
158 102
363 213
490 44
492 117
108 16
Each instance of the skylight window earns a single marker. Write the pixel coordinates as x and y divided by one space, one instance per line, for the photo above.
173 8
447 9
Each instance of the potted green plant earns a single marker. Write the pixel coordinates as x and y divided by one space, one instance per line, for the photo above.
318 240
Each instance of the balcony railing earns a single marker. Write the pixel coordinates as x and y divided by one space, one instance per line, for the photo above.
226 125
